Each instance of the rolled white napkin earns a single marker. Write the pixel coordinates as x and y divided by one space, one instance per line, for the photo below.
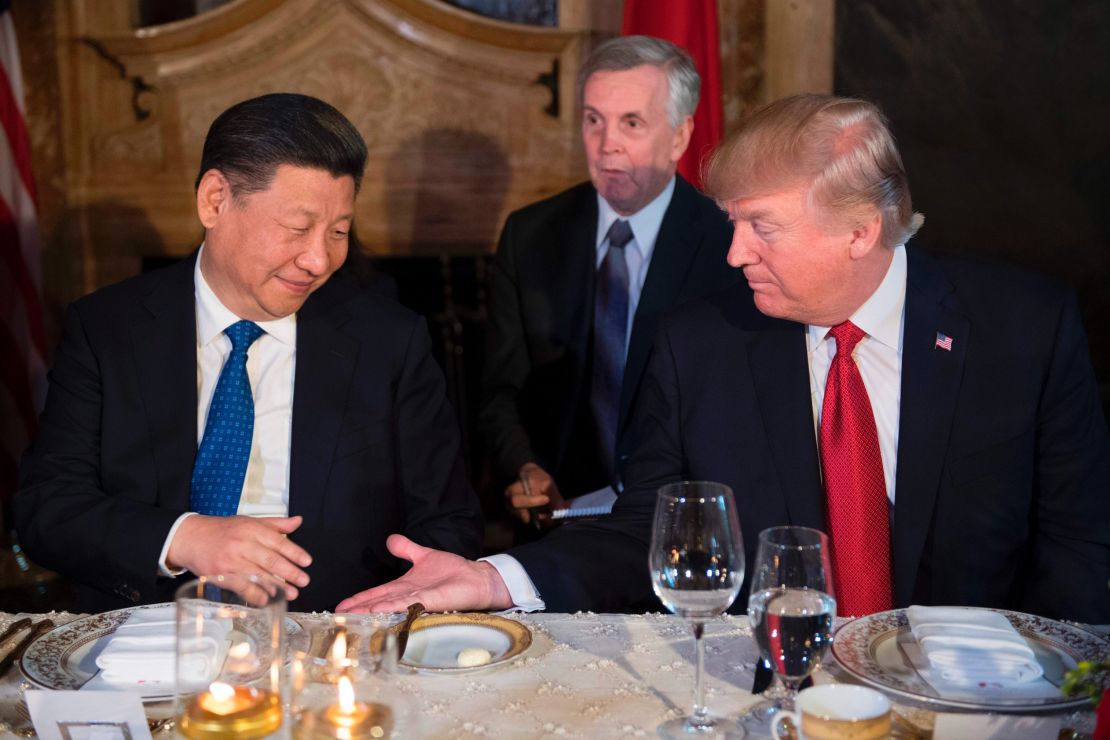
973 646
143 650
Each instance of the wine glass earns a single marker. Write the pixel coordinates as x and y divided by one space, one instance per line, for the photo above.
697 566
791 607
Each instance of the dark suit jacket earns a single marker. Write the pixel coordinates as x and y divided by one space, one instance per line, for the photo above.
374 449
537 379
1002 492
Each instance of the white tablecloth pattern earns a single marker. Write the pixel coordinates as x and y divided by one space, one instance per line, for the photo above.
585 676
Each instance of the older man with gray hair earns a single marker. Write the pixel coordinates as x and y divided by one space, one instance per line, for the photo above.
580 280
937 416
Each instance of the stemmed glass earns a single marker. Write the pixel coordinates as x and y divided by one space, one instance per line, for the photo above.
697 566
791 607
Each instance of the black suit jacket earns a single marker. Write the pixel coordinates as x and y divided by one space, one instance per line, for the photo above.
1002 492
537 380
374 447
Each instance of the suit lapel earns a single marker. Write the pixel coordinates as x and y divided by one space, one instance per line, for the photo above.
676 246
780 374
570 254
930 386
164 346
325 362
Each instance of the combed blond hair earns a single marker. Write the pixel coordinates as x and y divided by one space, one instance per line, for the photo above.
839 149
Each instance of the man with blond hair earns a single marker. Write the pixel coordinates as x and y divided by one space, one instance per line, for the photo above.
937 416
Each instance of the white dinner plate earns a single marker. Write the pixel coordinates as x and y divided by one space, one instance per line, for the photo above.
436 640
65 657
869 649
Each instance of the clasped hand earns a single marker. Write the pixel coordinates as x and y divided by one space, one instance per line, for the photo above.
241 546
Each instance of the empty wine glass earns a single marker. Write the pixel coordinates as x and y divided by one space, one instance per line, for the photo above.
791 608
697 566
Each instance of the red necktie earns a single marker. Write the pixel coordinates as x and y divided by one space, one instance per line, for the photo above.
855 488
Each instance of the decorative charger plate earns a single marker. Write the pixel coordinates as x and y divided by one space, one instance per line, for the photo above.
65 657
436 640
869 649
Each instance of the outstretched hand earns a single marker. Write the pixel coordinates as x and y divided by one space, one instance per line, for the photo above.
441 581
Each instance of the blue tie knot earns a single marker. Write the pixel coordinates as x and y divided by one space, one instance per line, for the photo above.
242 335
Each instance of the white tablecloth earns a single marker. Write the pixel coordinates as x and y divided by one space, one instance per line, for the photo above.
585 676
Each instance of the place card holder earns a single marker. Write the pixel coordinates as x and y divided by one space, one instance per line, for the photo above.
230 639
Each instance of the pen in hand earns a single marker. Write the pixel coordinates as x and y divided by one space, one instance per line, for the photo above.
533 511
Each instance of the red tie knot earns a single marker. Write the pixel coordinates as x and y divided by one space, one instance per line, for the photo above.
847 336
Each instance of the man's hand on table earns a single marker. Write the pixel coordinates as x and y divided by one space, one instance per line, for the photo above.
241 546
534 488
441 581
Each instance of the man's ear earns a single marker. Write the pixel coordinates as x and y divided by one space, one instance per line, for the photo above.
682 138
213 197
865 236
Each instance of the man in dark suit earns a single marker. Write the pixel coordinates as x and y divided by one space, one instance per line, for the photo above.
938 417
572 316
166 446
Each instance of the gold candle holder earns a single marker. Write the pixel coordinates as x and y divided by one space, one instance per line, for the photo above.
347 694
230 639
346 719
225 711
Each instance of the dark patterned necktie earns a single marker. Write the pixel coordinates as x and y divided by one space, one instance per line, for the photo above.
852 463
610 330
225 448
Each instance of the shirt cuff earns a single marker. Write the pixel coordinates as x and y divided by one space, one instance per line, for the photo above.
521 589
164 568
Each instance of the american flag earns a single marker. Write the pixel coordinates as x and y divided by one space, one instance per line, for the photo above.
943 342
22 336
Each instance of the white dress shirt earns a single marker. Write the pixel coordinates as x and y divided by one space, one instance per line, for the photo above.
645 224
878 357
271 365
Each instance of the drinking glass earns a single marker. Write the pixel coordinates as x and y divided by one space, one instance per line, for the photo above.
791 608
697 566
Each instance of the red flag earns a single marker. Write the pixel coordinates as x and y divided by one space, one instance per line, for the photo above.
22 337
692 25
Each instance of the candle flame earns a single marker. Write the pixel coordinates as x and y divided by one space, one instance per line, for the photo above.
221 691
346 695
239 650
339 647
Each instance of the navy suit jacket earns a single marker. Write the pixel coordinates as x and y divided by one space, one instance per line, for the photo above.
374 444
537 378
1002 492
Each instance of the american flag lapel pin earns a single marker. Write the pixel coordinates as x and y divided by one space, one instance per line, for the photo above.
943 342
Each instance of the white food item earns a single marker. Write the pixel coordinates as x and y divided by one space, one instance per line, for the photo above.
474 656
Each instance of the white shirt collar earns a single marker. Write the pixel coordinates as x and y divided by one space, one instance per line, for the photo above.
881 314
213 317
645 222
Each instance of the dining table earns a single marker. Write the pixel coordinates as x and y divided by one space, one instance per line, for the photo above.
585 675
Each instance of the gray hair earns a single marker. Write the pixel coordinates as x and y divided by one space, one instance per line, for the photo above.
626 52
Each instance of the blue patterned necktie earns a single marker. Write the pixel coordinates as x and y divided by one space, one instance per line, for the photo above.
225 448
610 329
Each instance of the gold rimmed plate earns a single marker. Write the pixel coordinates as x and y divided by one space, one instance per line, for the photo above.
437 640
874 650
65 657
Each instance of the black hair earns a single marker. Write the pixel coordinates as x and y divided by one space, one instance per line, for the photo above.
248 141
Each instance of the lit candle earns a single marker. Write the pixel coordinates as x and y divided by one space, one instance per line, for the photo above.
225 711
348 719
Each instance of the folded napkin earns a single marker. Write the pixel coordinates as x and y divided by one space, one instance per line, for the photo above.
973 646
143 650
